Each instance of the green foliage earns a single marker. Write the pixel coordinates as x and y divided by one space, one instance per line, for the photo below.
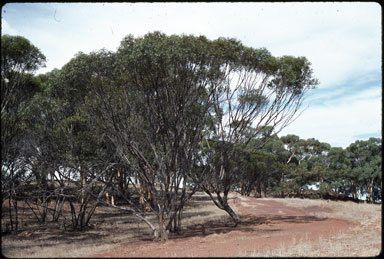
253 98
294 74
18 55
365 166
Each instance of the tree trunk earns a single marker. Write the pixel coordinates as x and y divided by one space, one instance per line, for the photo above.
370 191
83 185
321 183
281 185
10 213
222 203
162 231
107 200
145 196
227 208
175 225
233 215
262 194
124 186
256 192
113 200
13 202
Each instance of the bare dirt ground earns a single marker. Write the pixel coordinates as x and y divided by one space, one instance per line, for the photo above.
267 225
270 227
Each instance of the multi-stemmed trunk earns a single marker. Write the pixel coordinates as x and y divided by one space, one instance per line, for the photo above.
222 203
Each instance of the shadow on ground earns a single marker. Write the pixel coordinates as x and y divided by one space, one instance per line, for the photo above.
248 224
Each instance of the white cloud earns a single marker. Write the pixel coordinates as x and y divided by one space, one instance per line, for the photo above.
338 38
339 122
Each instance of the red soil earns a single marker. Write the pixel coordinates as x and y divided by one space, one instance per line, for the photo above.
265 224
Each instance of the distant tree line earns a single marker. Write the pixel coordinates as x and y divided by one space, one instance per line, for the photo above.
290 167
143 128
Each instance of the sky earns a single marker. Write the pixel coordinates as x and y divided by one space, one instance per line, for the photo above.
341 40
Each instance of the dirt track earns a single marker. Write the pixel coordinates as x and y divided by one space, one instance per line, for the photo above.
265 224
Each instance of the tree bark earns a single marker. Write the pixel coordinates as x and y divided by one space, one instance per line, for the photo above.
162 231
231 213
370 191
83 185
222 203
262 193
145 196
281 184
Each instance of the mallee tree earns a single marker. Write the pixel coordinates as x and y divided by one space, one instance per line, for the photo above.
258 96
176 113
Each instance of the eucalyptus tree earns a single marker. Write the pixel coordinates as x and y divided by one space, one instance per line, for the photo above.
302 155
337 167
257 92
275 175
256 172
365 173
86 160
39 148
18 57
19 60
154 108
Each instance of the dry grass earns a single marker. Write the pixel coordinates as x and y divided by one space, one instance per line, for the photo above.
363 239
339 245
201 209
113 228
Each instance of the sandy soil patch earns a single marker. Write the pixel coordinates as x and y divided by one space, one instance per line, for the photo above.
269 227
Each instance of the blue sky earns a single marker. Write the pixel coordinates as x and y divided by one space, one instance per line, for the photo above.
341 40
